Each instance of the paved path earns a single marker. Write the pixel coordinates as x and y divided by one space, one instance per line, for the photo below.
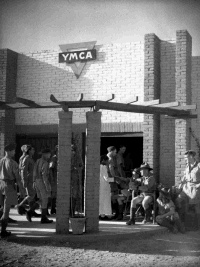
107 229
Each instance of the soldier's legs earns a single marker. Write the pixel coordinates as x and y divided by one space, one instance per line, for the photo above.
181 204
10 198
43 195
146 205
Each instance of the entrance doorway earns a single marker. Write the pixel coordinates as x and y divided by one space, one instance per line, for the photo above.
134 146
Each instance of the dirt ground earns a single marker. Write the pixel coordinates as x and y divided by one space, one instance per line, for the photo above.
160 250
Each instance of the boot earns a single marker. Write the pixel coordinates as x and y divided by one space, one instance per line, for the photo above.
31 212
116 208
132 216
44 218
4 233
120 216
21 210
180 226
53 206
147 216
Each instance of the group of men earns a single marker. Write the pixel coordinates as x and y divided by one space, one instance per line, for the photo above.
170 212
35 180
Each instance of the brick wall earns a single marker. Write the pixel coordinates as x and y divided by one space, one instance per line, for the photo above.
151 127
195 124
167 126
119 69
183 95
8 75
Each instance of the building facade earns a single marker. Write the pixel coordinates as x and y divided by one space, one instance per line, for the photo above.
153 69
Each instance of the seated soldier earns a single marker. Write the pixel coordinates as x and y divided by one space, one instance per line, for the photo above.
147 187
168 217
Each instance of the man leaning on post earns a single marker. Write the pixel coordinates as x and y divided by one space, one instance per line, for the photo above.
9 175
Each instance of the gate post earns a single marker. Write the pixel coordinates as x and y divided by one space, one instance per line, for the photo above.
64 172
92 170
183 95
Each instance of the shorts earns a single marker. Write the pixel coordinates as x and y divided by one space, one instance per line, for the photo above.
8 190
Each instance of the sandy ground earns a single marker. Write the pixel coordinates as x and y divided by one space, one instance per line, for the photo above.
160 250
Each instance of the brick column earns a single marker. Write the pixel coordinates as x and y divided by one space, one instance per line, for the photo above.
92 170
151 129
8 79
64 172
183 95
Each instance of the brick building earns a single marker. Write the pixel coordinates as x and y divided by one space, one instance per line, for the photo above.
153 69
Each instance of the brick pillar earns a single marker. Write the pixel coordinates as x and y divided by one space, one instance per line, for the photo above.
8 79
92 170
151 129
183 95
64 172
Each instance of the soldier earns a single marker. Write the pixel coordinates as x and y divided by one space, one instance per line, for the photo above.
26 169
189 186
53 179
9 175
22 190
146 189
41 182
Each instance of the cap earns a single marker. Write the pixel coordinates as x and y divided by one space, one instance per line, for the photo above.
190 152
165 192
111 148
25 148
145 165
10 147
45 151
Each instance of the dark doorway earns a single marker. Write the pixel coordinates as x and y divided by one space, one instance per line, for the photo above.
37 141
134 147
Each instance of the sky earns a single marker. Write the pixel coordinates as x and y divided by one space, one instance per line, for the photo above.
35 25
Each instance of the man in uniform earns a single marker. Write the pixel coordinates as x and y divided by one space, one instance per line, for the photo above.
146 189
41 182
189 186
9 175
26 173
53 179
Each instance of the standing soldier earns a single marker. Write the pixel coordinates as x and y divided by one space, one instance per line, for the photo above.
9 175
22 190
41 182
53 179
26 173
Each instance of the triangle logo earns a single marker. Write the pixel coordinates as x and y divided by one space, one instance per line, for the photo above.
76 55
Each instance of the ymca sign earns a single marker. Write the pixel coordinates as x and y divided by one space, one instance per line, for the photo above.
75 56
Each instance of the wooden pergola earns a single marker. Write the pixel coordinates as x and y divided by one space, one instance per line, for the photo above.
170 110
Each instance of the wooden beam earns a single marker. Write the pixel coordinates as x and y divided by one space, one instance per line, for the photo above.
185 117
135 99
80 97
187 107
140 109
148 103
27 102
167 105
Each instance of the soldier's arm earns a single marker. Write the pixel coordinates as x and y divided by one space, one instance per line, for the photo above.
45 175
24 171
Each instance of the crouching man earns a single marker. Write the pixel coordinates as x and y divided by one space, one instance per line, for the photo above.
168 217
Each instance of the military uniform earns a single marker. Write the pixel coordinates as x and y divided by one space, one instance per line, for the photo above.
9 175
53 181
26 174
42 184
